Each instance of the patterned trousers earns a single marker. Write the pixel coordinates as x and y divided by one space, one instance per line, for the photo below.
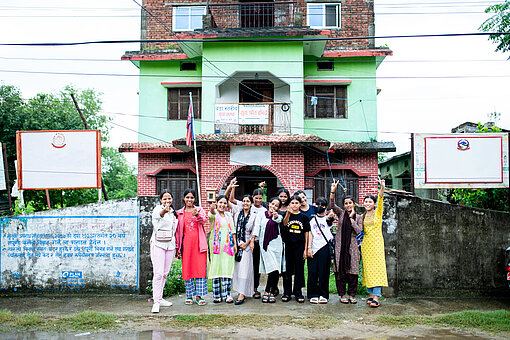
221 287
196 287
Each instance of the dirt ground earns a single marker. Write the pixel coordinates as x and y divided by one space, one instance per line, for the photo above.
358 321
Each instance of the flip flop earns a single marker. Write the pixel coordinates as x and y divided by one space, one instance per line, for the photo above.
285 298
188 301
201 302
265 298
344 300
257 295
374 304
369 300
353 300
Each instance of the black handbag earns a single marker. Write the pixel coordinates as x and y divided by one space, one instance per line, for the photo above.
239 255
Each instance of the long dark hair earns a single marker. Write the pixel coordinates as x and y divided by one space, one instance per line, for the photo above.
249 197
288 196
373 198
258 192
162 193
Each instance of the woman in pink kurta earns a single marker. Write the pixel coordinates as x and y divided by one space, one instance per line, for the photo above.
191 245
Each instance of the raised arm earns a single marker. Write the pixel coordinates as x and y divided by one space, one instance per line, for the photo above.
379 209
337 210
230 192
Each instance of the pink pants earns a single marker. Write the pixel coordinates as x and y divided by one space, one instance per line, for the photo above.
161 263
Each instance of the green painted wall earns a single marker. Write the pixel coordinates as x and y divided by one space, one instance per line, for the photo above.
263 55
153 100
361 115
267 57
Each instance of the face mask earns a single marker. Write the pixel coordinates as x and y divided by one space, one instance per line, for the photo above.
320 210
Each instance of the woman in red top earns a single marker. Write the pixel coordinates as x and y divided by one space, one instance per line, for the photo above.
191 246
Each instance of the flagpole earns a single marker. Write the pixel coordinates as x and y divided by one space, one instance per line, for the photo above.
196 154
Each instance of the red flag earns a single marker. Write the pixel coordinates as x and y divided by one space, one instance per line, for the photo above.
190 133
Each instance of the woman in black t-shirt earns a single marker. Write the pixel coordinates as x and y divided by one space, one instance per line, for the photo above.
296 229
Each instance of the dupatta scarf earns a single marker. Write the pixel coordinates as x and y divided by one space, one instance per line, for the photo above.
229 244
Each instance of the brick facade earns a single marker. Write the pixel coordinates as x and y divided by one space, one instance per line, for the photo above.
293 166
357 20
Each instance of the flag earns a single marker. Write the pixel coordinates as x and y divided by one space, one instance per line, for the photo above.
190 133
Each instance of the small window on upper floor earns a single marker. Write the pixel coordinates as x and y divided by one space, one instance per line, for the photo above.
187 18
188 66
325 65
178 103
325 101
324 15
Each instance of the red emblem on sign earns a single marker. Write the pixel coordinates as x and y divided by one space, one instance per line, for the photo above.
463 145
59 140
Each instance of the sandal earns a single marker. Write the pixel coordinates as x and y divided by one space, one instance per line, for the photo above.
374 304
272 299
314 300
229 299
256 295
300 299
265 298
201 302
369 300
344 299
323 300
188 301
216 300
353 300
285 298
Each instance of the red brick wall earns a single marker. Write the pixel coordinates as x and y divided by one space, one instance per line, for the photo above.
357 20
292 166
364 163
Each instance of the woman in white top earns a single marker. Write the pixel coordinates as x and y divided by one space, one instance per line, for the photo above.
162 247
318 254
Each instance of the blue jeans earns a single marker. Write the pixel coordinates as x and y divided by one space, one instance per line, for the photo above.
374 290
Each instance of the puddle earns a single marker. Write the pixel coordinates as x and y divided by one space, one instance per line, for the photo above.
172 335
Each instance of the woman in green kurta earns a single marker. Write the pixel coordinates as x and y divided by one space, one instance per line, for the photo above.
222 247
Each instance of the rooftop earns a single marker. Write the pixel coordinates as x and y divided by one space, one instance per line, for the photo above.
364 147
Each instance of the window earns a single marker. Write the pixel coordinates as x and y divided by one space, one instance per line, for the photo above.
178 103
325 66
178 158
187 18
322 185
324 15
326 101
176 181
188 66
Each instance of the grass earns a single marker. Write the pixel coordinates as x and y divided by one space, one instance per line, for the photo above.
492 321
88 320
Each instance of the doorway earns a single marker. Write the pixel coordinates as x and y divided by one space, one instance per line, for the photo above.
249 178
256 91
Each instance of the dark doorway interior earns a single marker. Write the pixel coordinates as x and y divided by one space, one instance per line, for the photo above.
256 91
248 179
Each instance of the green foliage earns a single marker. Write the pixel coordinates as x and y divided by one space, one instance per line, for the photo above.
58 112
174 283
494 199
20 209
500 23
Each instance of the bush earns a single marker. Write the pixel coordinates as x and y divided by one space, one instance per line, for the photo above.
174 282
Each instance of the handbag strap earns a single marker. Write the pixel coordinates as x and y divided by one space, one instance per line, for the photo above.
320 229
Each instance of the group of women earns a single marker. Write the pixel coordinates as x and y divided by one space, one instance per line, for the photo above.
236 241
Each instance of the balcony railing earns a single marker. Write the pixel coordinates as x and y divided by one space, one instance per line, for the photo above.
252 14
260 118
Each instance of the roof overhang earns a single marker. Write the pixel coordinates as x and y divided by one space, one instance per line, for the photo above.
363 147
149 148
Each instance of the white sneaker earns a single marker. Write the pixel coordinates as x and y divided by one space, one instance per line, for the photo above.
164 303
155 308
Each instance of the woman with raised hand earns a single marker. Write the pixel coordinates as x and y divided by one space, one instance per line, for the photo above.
347 254
372 249
271 248
191 245
296 230
244 219
222 242
162 247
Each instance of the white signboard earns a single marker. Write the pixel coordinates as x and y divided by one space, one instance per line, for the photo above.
250 155
226 113
69 252
2 171
59 159
461 160
253 114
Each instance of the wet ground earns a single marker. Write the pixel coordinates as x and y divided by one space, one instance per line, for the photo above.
358 320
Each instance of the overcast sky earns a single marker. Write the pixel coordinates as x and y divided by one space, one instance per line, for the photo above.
428 85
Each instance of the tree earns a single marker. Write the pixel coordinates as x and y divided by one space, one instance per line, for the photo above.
500 23
57 112
495 199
